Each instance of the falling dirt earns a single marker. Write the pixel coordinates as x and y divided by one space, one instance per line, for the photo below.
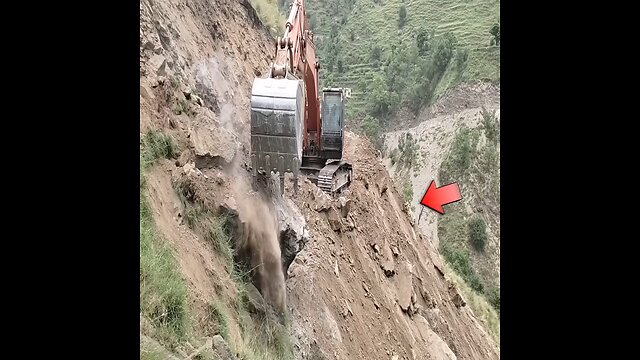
259 240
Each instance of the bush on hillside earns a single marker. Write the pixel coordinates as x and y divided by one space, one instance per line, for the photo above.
402 16
423 40
493 296
375 53
478 233
457 162
462 55
408 147
380 101
407 190
157 145
371 128
490 125
459 260
495 33
443 51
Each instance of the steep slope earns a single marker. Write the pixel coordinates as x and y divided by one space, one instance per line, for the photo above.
460 144
364 285
197 62
368 284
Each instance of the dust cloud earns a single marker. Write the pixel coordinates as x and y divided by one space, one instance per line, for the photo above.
259 239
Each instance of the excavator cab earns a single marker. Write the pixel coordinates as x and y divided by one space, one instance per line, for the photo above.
332 109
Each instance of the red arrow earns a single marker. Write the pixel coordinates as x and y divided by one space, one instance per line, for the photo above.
434 197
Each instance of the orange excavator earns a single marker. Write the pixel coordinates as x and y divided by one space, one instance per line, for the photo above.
294 129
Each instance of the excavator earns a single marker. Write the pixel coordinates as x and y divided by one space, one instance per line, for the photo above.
294 129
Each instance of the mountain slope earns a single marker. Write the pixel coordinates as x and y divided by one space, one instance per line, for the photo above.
370 284
220 261
352 31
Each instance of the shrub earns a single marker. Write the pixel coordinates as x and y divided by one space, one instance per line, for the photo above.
478 233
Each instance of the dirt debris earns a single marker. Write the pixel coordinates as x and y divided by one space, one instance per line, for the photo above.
384 243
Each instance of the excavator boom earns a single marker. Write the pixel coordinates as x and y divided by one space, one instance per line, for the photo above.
293 128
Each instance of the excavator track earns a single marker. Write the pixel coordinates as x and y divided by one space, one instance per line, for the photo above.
335 177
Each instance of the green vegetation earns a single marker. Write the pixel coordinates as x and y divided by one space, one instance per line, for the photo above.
478 302
452 233
407 155
219 316
263 336
270 16
402 53
156 145
494 298
473 162
478 232
163 295
266 339
456 164
495 32
163 292
407 190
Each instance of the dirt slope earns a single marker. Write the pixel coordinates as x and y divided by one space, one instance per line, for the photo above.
369 285
364 286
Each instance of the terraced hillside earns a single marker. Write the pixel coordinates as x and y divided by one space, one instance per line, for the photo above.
348 32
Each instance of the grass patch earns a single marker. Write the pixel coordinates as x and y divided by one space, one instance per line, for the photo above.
452 231
218 315
490 126
163 295
493 295
265 339
148 354
156 145
479 304
270 16
217 233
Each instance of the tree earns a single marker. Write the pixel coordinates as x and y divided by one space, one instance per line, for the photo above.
402 16
376 53
478 232
443 52
462 55
422 41
495 32
371 128
380 101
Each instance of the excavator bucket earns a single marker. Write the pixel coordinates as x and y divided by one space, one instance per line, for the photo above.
277 117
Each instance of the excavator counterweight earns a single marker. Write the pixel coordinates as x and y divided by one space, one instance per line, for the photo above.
294 129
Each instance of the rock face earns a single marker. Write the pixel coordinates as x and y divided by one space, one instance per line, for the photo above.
293 230
222 348
212 147
456 297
